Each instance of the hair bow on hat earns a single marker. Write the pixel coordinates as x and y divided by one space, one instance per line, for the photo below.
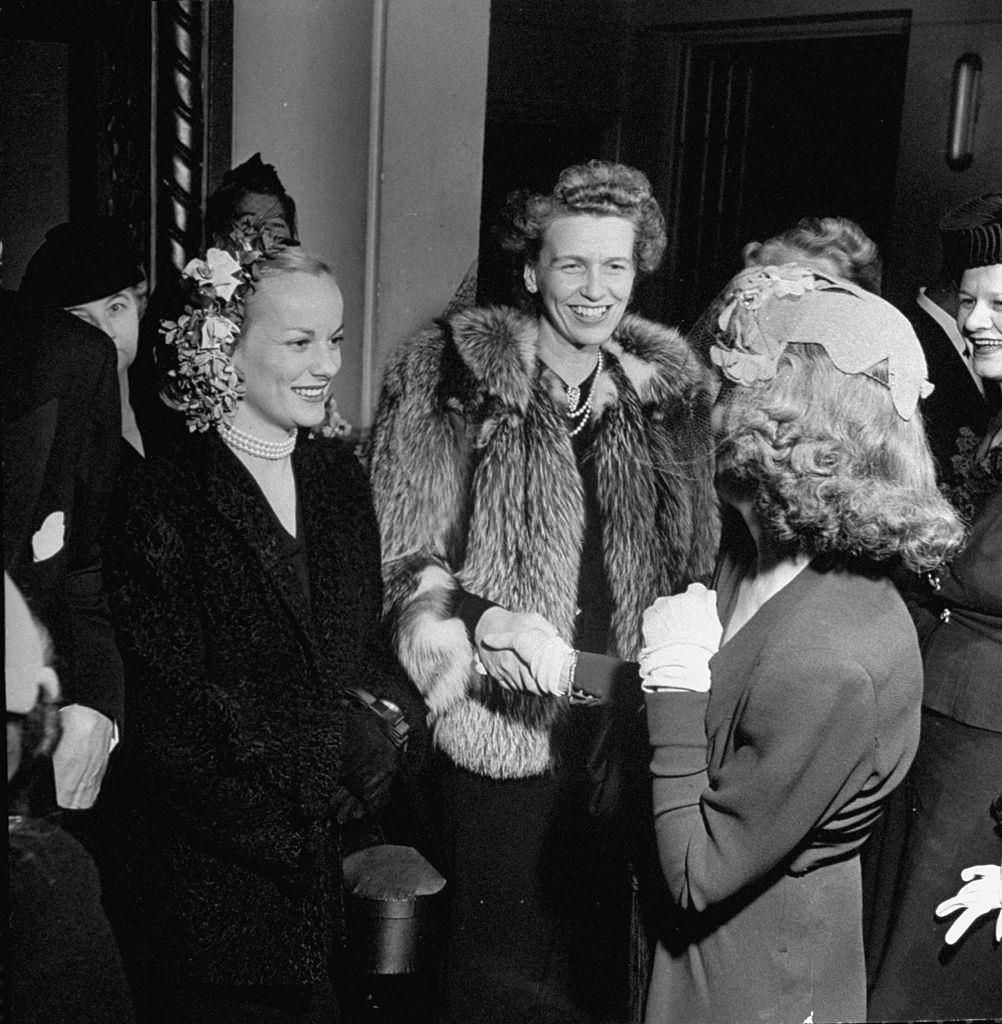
767 308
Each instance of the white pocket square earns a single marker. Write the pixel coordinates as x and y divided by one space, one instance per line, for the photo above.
49 539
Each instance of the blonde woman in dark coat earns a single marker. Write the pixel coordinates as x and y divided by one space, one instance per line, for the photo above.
247 596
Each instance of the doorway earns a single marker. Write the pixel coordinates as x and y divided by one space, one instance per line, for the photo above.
750 127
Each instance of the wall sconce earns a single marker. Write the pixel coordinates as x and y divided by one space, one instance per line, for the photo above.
963 111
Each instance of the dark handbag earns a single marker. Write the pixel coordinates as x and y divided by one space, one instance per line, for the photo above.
375 742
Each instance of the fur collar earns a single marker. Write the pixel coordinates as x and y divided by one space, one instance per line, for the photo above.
499 346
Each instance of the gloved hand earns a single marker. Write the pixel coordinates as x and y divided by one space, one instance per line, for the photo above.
544 662
681 633
370 763
502 663
982 895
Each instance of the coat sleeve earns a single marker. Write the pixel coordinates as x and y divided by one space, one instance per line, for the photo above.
383 674
419 465
95 676
803 746
188 751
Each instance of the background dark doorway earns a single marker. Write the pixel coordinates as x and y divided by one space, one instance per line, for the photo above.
766 132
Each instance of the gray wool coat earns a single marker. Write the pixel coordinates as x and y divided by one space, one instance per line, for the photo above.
476 488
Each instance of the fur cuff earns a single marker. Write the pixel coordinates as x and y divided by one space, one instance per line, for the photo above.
494 744
432 645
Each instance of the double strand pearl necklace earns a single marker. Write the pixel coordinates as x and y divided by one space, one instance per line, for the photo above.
577 410
241 441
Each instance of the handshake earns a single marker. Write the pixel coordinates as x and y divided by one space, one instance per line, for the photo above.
522 651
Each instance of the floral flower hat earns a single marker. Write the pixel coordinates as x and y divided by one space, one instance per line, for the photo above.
764 309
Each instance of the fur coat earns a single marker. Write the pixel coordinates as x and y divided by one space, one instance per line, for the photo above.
476 487
236 752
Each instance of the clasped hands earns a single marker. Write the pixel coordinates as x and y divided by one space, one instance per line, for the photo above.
522 651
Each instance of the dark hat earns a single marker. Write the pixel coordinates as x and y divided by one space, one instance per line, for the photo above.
972 234
254 175
81 261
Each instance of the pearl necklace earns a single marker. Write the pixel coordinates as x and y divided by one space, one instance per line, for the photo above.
241 441
581 412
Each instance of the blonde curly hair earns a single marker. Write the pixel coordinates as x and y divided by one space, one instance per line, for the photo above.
831 468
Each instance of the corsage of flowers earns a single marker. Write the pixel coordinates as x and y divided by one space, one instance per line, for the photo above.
972 480
205 386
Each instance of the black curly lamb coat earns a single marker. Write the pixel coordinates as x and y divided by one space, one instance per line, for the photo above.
222 794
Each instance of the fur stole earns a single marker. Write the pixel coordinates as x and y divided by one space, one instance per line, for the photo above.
476 486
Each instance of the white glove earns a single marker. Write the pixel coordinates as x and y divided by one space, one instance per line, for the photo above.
982 895
681 634
544 662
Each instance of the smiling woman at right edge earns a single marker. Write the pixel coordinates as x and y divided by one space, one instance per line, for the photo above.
957 774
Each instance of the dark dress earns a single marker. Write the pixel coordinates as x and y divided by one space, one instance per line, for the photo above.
943 808
235 761
811 720
537 880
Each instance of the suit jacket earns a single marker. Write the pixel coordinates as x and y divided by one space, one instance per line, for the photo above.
961 628
476 483
62 424
765 788
956 401
235 761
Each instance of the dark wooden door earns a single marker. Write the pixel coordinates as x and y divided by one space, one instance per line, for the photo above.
757 133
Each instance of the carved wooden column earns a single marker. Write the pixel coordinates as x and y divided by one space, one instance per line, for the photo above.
193 130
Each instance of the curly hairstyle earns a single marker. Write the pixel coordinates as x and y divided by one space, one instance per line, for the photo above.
831 468
836 239
597 187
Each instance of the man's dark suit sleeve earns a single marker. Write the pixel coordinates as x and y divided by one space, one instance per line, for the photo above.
62 432
97 678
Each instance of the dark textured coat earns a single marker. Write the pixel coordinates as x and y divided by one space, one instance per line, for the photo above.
232 762
476 484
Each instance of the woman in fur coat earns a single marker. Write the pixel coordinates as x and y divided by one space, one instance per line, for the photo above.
248 600
550 469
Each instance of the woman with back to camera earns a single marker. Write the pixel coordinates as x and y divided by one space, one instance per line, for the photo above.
777 735
547 467
948 797
245 571
780 728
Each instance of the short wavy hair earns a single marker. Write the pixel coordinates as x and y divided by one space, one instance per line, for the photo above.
598 187
831 468
838 239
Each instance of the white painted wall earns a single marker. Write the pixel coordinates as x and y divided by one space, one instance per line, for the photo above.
301 98
302 86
